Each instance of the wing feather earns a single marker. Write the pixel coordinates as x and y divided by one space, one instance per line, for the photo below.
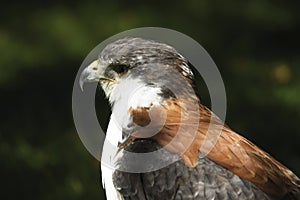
230 150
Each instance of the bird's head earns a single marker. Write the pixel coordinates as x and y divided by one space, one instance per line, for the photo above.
136 62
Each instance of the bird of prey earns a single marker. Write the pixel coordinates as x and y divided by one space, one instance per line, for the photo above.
234 168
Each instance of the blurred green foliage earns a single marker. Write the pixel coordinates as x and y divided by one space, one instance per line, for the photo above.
254 43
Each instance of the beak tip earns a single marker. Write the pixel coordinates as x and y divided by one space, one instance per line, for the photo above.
81 85
88 75
83 78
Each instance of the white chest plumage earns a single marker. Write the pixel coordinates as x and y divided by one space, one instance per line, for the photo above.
128 93
108 159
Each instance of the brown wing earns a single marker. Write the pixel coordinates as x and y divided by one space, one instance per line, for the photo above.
231 150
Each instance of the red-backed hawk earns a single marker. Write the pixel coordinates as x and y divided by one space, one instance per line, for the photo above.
234 168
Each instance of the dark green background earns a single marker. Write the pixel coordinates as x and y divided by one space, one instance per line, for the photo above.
254 43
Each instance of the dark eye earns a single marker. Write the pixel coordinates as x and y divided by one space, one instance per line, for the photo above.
119 68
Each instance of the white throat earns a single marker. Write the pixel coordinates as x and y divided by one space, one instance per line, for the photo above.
129 92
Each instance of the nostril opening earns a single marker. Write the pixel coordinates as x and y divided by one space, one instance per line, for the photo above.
94 68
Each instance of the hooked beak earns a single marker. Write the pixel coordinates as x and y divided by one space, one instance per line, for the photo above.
90 74
83 78
93 73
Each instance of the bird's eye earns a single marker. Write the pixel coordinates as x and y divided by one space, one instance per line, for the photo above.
119 68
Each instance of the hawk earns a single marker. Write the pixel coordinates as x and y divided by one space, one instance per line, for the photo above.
150 119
